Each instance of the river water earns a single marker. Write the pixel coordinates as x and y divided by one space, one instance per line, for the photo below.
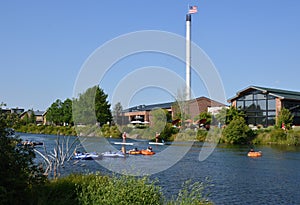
234 178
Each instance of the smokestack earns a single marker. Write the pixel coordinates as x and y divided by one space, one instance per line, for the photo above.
188 57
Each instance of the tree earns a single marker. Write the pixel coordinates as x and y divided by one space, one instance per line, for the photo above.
205 119
55 113
91 107
18 173
102 107
67 111
284 116
117 113
226 115
237 131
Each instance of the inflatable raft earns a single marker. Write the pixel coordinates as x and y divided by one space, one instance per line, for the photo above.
254 154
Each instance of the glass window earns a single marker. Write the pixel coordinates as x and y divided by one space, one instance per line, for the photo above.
259 96
271 113
271 105
261 105
240 104
249 105
249 97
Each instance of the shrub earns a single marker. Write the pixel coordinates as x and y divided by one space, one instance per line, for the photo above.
237 132
201 135
118 190
19 175
278 135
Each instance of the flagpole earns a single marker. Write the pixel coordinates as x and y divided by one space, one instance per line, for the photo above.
188 56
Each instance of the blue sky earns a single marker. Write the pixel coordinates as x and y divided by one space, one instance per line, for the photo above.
44 44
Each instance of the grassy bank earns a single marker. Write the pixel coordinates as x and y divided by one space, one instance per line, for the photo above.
47 129
99 189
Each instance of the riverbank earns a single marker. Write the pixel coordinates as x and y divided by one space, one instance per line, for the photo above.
260 136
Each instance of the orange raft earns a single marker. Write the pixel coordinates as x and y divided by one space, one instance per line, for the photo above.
255 154
134 152
146 152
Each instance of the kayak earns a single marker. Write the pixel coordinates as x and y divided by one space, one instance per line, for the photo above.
113 154
146 152
86 156
255 154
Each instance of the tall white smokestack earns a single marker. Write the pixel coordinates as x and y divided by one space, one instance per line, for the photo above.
188 57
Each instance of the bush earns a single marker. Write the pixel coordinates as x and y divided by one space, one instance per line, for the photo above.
19 175
118 190
237 132
201 135
278 135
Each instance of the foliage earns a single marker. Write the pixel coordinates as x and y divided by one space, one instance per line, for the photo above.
237 132
158 120
67 112
191 194
168 132
91 107
29 117
110 131
47 129
285 117
60 113
225 116
201 134
19 175
278 134
204 118
117 113
118 190
102 107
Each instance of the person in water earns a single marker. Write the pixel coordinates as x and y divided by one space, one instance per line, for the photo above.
124 137
157 137
149 149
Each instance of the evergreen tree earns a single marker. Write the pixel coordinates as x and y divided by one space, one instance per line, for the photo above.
54 113
117 113
67 111
102 107
91 107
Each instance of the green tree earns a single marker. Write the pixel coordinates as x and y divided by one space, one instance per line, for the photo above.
67 111
237 131
55 113
18 173
158 120
205 118
91 107
284 116
117 113
102 107
226 115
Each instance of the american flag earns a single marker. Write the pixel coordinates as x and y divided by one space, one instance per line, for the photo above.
193 9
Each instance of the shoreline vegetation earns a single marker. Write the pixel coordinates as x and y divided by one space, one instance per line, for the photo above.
258 136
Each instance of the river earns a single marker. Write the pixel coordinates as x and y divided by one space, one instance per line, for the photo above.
235 178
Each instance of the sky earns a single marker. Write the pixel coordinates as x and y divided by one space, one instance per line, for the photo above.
45 44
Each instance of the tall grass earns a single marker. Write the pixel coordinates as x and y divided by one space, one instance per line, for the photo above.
109 190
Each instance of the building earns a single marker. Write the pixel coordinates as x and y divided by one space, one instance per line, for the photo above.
39 116
262 105
17 111
141 113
